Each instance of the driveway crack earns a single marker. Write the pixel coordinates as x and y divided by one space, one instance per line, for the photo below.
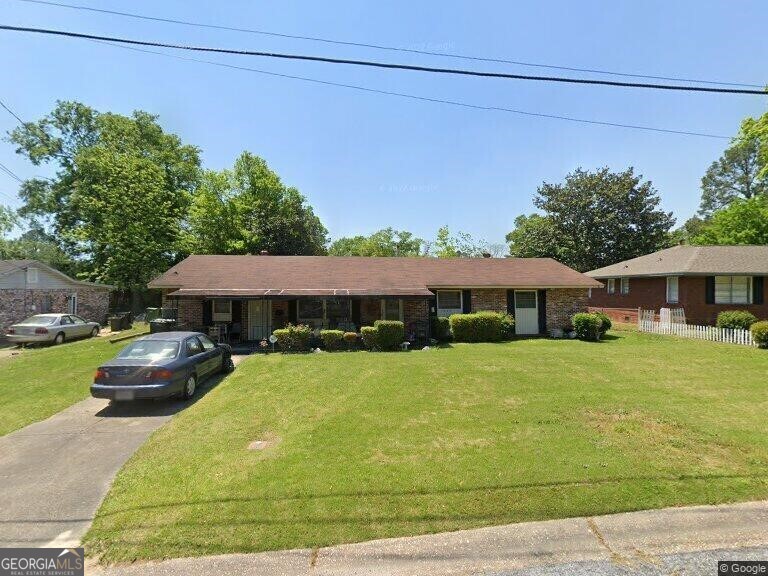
616 557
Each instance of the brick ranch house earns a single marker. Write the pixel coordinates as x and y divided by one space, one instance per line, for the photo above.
703 280
29 287
256 294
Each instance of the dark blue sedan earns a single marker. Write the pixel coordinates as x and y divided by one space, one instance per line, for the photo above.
161 365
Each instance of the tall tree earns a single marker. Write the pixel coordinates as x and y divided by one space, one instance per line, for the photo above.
35 244
534 236
757 129
461 245
736 174
120 193
386 242
594 219
743 222
248 209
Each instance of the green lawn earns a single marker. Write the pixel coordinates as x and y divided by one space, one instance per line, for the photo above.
376 445
40 381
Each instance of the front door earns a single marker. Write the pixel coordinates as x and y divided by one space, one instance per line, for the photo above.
259 319
526 312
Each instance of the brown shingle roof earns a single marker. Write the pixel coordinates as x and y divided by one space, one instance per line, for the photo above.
328 275
692 260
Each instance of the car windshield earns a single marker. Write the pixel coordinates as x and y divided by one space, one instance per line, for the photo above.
44 320
150 350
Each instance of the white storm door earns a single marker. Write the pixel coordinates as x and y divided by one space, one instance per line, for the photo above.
259 319
526 312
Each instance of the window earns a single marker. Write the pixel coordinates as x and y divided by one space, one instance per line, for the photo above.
449 302
611 286
733 289
222 310
65 321
625 285
150 350
392 309
338 309
72 304
31 275
525 299
193 346
77 320
45 304
311 309
672 289
207 343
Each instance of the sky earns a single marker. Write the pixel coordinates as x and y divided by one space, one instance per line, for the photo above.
368 161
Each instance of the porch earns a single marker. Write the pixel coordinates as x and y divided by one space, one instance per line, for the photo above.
246 320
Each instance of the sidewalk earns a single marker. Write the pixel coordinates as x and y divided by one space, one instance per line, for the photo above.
630 540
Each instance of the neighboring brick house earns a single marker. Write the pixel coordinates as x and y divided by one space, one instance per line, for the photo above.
28 287
256 294
703 280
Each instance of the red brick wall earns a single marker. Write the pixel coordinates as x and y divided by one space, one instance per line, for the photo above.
489 299
415 311
651 294
562 303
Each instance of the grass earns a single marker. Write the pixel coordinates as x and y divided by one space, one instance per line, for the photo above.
38 382
366 445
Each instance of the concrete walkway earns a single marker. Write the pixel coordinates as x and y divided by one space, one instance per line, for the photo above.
55 473
644 542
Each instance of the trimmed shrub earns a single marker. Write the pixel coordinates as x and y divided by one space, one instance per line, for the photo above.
370 337
735 319
351 339
507 327
389 334
293 338
331 339
606 323
477 327
441 329
760 333
587 326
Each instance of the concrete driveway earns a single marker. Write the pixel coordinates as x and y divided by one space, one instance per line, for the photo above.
55 473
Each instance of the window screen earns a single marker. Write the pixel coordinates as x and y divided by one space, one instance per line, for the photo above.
525 299
449 299
733 289
311 308
672 289
391 309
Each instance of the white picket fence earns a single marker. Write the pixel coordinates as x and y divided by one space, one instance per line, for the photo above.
647 323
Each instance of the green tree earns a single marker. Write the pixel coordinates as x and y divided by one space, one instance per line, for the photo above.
757 129
35 244
386 242
461 245
736 174
594 219
686 232
248 209
8 220
534 236
745 221
120 193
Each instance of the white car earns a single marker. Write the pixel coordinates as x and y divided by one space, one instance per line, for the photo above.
53 328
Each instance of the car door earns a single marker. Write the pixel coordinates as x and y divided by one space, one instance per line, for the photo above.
212 354
80 327
67 325
194 351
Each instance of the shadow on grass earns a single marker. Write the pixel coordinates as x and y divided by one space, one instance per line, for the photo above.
160 406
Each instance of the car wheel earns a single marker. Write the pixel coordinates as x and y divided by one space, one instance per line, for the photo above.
94 332
59 338
227 365
189 387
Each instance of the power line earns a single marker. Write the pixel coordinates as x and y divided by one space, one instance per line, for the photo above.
424 98
10 173
386 65
11 112
384 47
